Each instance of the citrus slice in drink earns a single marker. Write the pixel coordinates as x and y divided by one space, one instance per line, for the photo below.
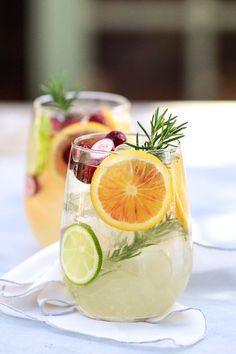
179 185
62 142
131 190
81 254
108 117
39 142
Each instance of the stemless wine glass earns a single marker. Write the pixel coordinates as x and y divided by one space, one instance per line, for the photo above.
126 249
52 131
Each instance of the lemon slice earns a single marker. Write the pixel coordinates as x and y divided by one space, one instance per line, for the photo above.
131 190
182 211
108 117
81 254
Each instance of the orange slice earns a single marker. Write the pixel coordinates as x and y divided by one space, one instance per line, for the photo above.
62 141
182 211
109 117
131 190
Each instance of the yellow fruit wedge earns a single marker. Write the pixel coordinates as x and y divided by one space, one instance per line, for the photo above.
179 186
108 117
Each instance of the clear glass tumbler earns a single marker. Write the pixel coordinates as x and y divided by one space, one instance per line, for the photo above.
50 136
126 248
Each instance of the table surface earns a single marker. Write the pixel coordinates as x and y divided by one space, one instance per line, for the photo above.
209 153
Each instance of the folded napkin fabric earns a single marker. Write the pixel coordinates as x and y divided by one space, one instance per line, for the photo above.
35 290
208 258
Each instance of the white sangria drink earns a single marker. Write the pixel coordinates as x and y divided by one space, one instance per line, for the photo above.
126 249
59 117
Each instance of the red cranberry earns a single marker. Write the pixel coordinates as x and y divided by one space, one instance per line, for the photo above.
117 137
70 119
77 154
32 186
56 124
98 118
66 154
103 145
85 145
84 173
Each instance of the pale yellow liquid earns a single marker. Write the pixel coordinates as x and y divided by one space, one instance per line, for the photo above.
43 210
142 287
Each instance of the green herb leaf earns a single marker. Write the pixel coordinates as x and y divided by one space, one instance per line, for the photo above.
142 240
56 88
164 132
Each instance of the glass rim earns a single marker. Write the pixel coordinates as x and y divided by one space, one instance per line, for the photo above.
121 101
74 145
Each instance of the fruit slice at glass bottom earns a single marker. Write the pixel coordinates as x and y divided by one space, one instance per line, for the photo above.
81 254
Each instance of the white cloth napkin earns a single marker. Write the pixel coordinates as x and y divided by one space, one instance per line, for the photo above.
35 290
208 257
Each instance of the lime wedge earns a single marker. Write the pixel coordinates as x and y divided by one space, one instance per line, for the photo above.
81 254
38 145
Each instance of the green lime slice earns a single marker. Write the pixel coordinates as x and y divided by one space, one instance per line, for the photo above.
38 147
81 254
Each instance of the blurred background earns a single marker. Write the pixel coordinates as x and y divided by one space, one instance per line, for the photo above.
143 49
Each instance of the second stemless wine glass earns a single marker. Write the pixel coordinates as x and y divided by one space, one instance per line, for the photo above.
126 248
52 131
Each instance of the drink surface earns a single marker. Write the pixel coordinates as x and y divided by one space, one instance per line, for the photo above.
143 271
50 137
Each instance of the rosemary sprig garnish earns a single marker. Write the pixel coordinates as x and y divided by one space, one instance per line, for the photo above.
56 88
164 132
152 237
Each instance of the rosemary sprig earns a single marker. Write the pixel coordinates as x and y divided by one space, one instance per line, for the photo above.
56 88
164 132
149 238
